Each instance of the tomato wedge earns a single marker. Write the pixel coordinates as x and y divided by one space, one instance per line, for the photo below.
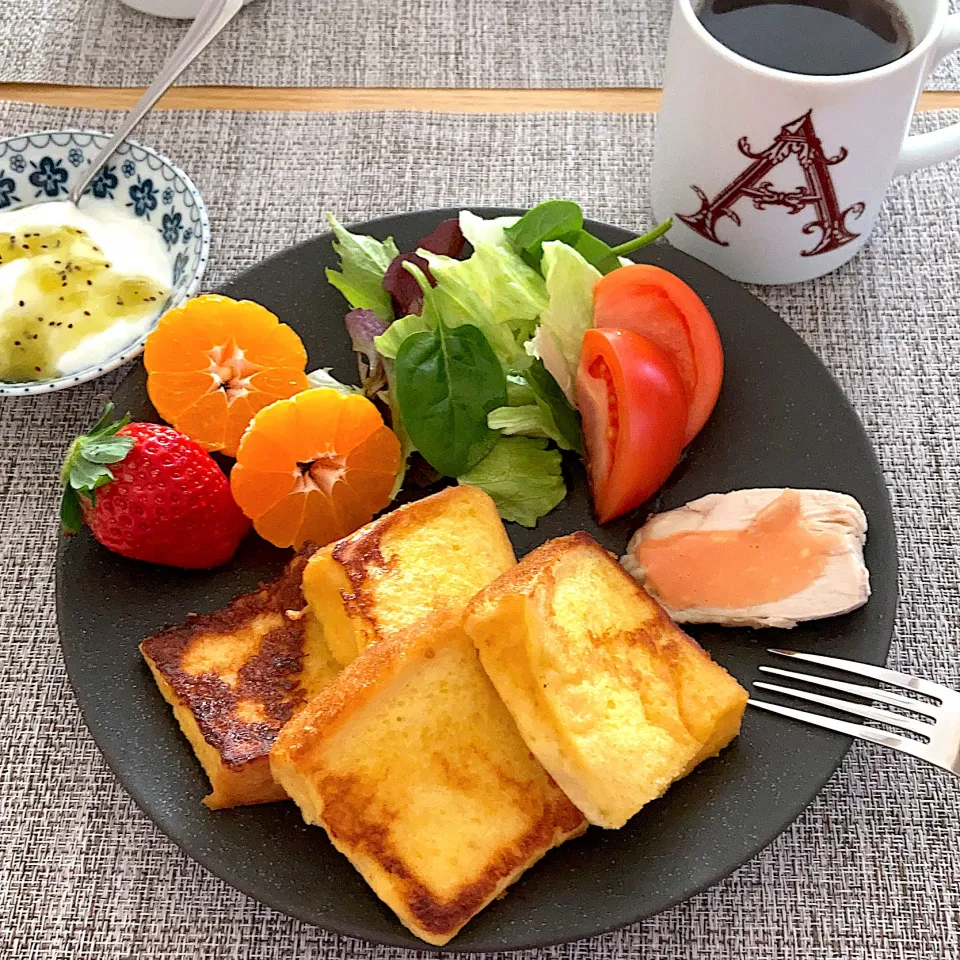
634 409
653 302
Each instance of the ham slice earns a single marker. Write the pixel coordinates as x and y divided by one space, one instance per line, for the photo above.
770 557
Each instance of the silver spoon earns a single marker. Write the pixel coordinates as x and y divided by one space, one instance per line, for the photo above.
214 15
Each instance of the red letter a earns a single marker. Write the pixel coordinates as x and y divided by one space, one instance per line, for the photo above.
795 138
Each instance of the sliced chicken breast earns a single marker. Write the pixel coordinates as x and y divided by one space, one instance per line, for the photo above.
770 557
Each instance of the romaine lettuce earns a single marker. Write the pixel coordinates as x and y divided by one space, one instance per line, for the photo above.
569 314
513 292
457 303
522 476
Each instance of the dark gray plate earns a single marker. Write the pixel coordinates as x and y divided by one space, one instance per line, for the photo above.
781 421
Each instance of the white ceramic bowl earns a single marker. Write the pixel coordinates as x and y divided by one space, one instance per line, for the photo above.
41 167
174 9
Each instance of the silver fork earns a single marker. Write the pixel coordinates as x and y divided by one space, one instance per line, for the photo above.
214 15
940 727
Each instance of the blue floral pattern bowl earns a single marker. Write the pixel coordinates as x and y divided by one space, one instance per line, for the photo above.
41 167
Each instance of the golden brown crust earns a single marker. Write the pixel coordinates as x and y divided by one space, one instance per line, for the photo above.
652 701
270 678
662 636
356 685
350 805
344 814
536 568
362 559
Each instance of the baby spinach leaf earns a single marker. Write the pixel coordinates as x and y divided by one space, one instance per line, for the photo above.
597 253
563 220
550 399
606 258
389 396
552 220
658 231
448 380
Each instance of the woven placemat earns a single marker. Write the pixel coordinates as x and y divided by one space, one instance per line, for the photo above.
357 43
869 872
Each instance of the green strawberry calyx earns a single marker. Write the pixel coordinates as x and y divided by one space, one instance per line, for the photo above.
85 468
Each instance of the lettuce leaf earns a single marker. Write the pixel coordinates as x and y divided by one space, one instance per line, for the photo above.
363 261
458 304
528 420
540 410
569 314
513 292
493 289
323 378
522 476
388 343
477 230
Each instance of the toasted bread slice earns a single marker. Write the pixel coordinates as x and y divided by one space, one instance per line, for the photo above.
416 770
430 555
236 676
613 698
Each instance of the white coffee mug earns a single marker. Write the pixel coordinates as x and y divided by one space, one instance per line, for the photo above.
172 9
776 177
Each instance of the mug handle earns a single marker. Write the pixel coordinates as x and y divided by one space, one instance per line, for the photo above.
926 149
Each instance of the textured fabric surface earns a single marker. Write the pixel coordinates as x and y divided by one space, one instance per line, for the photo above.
869 871
357 43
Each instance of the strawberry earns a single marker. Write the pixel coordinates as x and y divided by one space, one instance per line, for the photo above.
149 493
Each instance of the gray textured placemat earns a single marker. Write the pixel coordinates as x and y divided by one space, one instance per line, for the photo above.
357 43
869 871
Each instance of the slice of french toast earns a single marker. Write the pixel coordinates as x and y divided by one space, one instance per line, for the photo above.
615 700
430 555
234 677
415 768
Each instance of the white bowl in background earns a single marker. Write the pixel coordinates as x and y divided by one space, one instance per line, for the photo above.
172 9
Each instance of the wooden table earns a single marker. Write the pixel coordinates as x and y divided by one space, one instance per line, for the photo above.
330 99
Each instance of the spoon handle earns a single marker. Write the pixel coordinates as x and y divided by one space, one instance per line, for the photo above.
212 18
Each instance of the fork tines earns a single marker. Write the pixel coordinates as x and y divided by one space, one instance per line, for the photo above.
939 728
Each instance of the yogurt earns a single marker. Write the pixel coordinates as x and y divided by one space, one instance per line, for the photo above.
76 286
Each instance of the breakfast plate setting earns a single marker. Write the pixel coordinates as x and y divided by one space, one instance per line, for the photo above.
427 548
762 783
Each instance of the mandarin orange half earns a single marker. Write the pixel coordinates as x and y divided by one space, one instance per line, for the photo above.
213 362
315 467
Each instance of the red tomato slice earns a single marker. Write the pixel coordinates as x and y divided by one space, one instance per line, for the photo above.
634 409
653 302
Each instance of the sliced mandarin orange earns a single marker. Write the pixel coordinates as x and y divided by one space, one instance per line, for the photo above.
315 467
213 362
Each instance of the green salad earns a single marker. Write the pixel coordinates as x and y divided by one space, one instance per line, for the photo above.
475 356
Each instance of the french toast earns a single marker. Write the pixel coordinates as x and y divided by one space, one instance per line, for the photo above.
414 767
614 699
234 677
433 554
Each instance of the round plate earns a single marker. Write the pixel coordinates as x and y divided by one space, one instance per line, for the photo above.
781 421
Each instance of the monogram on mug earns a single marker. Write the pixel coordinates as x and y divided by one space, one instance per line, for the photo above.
796 140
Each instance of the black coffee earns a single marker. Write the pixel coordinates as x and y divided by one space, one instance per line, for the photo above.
810 36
